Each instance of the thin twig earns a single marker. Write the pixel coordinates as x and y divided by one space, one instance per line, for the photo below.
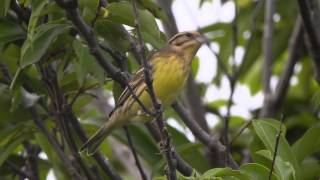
71 8
276 147
165 145
182 166
50 138
253 32
192 94
245 126
212 142
55 144
59 112
19 171
120 58
227 119
83 137
75 124
136 158
74 16
221 64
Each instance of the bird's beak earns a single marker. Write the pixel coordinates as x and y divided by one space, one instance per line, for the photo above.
201 39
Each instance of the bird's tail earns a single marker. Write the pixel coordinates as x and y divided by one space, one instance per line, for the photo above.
97 138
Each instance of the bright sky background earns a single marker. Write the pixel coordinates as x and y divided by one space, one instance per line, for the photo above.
189 16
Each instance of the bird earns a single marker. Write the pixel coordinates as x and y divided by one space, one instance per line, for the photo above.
170 68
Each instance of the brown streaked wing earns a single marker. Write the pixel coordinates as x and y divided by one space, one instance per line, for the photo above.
134 83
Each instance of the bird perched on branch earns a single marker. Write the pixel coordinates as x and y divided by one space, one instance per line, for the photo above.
170 68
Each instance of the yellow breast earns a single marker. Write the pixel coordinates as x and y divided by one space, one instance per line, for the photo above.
169 77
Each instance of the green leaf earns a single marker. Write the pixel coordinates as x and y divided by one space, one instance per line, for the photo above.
195 66
267 134
308 144
10 56
16 99
275 124
224 173
191 150
113 34
88 9
154 9
122 12
86 60
4 6
10 31
217 103
257 171
33 49
310 170
8 148
86 64
156 42
37 8
284 169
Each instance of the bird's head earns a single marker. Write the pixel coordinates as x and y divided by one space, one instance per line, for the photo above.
187 43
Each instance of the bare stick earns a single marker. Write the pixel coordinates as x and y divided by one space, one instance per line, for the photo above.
253 29
136 158
55 144
294 53
183 167
247 124
212 143
276 147
165 145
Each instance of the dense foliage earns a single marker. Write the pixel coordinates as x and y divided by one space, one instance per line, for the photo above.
56 90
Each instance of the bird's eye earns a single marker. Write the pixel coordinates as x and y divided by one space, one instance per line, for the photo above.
189 35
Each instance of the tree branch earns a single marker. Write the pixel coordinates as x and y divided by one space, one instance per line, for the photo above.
32 159
62 112
253 30
165 145
68 165
59 112
211 142
170 26
182 166
294 50
305 11
267 52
